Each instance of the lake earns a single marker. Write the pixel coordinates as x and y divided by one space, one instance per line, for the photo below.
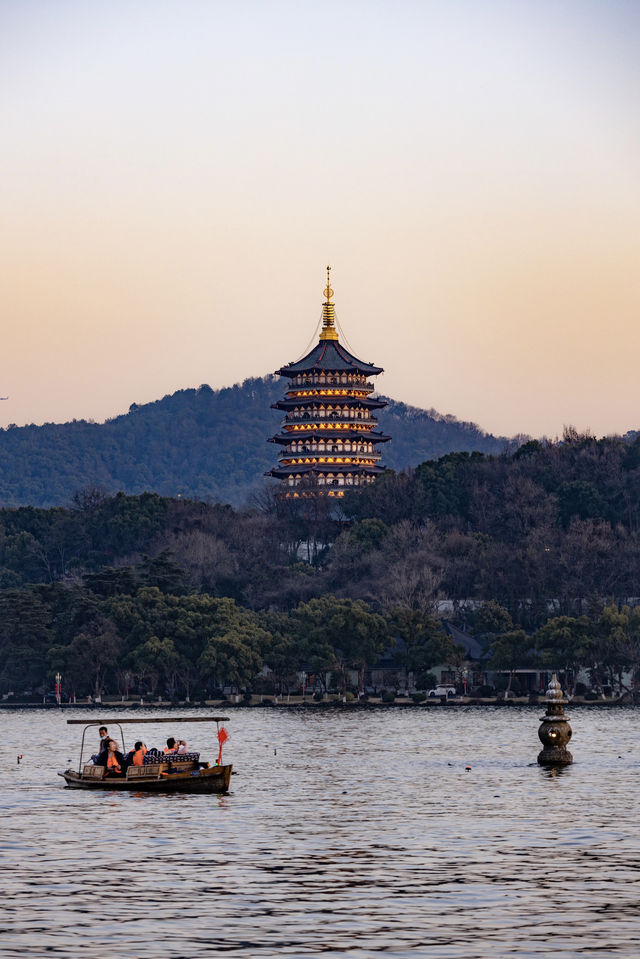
347 832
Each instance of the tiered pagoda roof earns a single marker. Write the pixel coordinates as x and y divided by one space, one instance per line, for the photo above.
328 431
329 355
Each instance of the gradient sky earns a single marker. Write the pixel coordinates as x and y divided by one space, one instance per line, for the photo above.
175 176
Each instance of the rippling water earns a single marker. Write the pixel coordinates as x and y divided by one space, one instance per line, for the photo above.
350 833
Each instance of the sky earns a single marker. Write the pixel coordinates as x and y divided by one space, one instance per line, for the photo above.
175 175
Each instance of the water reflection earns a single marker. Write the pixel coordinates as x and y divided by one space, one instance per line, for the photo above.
554 772
349 833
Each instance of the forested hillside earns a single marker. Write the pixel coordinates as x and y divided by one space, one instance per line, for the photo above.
537 552
201 444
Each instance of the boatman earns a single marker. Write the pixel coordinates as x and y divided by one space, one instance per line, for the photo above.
104 738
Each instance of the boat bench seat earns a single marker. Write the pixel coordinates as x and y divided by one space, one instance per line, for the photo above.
155 769
151 769
92 772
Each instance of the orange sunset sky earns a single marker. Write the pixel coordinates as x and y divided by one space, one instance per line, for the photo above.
177 175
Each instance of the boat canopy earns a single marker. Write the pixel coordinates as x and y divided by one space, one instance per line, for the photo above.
149 719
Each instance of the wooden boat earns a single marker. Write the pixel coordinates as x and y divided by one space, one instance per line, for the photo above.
173 773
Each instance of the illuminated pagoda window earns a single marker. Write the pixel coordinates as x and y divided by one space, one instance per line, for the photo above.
328 435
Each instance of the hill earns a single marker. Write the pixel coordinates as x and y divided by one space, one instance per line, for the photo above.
197 443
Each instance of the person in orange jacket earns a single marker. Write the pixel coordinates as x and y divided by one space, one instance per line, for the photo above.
112 759
138 754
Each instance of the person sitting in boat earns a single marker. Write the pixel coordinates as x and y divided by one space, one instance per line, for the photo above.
138 754
175 746
112 759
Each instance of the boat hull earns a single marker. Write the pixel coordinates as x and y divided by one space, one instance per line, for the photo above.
213 780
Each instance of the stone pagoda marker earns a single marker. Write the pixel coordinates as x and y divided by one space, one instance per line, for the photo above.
554 731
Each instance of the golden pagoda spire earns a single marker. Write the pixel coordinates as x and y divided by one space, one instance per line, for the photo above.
329 331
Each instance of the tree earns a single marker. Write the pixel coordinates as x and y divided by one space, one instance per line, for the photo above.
509 652
158 659
618 642
566 642
25 636
89 498
581 499
93 657
408 569
424 642
163 573
490 617
112 582
339 634
281 654
232 658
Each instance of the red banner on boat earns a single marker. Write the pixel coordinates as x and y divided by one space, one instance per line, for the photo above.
223 735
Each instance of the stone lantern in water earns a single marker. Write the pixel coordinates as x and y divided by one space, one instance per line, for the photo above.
555 731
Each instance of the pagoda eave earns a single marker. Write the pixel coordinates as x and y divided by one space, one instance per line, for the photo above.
330 436
324 468
304 401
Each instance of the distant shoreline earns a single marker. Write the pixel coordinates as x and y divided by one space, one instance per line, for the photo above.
299 704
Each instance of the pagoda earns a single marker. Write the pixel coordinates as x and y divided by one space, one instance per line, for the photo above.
328 435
